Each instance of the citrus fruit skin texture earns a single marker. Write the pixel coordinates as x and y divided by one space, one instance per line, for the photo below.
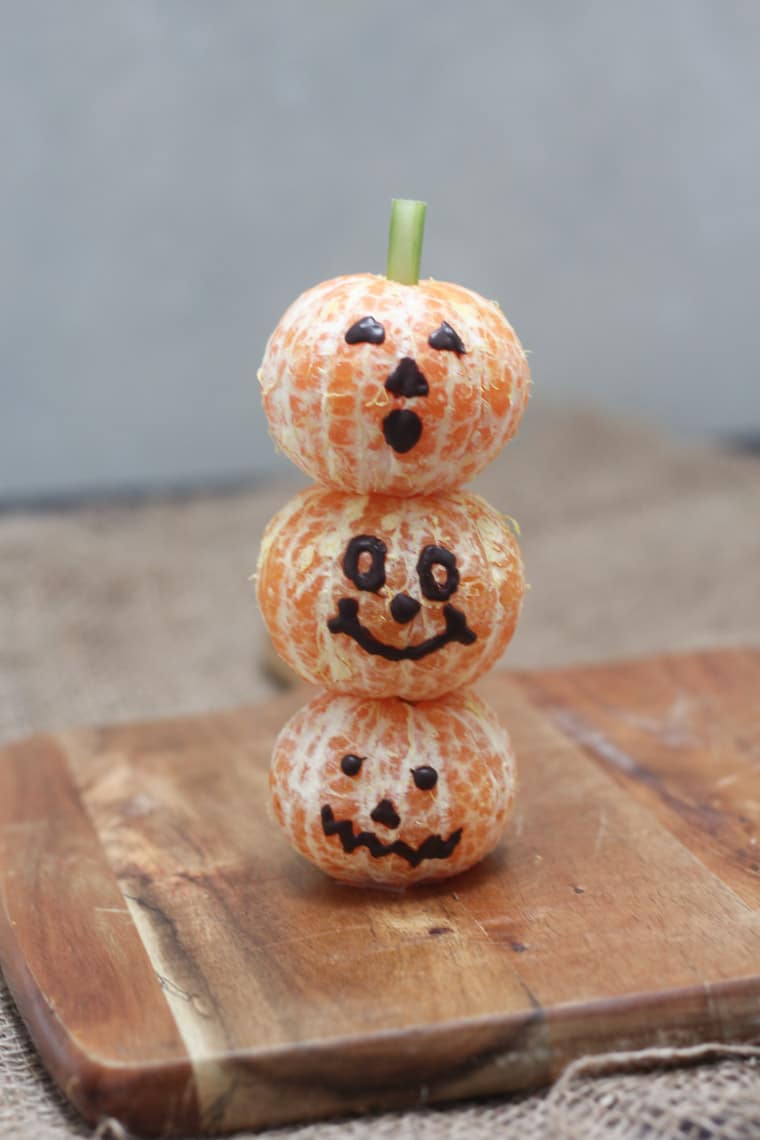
390 793
378 596
347 414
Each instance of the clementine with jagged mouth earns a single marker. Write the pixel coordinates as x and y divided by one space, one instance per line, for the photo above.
393 792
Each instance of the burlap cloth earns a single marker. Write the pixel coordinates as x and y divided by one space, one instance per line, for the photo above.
115 612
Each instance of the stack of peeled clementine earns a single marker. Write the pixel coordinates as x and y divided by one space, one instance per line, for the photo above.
386 584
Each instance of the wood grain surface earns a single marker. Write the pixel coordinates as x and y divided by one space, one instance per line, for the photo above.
181 969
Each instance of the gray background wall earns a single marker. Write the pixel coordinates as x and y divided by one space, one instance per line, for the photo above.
174 172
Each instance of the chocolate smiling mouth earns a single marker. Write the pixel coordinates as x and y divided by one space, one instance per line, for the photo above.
347 621
434 847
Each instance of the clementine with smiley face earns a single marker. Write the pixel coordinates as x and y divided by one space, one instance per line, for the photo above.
371 385
380 596
392 793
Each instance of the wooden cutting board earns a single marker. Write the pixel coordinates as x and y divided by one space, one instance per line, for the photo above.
179 968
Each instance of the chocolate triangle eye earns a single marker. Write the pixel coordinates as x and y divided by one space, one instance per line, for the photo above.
445 337
366 331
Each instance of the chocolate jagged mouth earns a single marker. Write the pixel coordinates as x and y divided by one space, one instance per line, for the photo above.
347 621
434 847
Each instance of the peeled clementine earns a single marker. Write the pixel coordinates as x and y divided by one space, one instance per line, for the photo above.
380 596
382 791
370 385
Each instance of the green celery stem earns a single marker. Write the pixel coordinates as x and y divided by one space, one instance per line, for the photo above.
405 240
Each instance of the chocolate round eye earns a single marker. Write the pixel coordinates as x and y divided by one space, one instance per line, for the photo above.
425 777
351 764
366 331
437 570
364 562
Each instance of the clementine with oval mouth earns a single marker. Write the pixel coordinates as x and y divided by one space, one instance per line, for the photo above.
374 386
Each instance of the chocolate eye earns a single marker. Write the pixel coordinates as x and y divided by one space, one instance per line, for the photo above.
366 331
364 562
351 764
446 339
425 777
437 570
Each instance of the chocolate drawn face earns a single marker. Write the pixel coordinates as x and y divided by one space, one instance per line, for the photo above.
438 576
402 427
381 596
375 387
389 792
425 778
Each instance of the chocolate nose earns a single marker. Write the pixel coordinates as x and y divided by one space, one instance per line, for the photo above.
404 608
386 813
407 380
